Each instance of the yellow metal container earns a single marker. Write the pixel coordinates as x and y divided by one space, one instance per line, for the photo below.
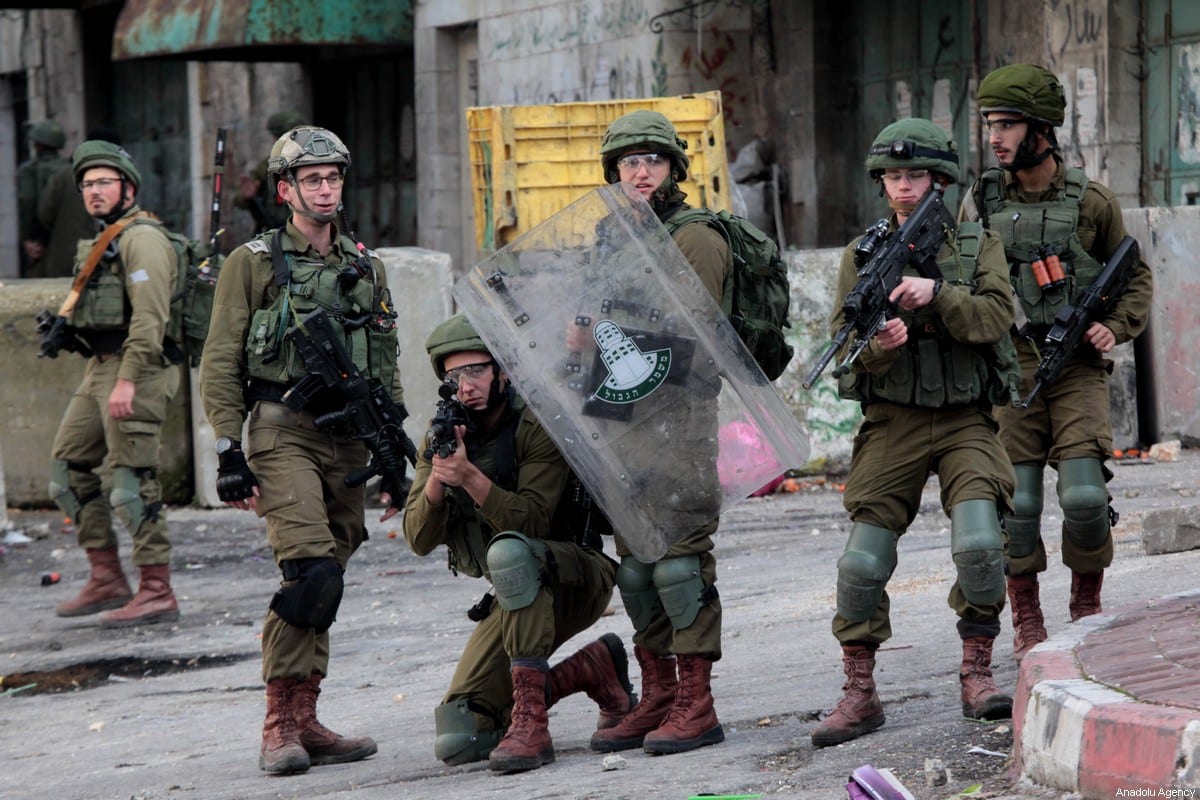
528 162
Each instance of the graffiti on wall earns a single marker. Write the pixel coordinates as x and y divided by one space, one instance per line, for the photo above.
613 49
1074 23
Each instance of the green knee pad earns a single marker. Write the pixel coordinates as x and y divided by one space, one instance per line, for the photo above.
60 489
1084 499
864 569
126 498
680 589
977 546
636 582
515 566
1024 527
458 741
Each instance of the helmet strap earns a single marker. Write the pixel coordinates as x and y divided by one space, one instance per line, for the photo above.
304 210
121 207
1027 156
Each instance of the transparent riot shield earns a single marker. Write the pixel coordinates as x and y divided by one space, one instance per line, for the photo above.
632 368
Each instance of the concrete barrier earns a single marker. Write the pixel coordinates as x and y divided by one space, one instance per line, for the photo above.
34 392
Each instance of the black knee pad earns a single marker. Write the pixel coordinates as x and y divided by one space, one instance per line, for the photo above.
311 593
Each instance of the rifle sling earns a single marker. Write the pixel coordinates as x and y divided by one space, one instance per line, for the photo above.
92 261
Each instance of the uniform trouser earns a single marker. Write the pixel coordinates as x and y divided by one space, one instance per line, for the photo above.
578 590
1068 419
895 450
703 636
310 513
87 434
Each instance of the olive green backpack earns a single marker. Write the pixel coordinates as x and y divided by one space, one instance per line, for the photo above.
756 294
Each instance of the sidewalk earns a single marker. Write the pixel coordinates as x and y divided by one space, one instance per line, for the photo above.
1112 706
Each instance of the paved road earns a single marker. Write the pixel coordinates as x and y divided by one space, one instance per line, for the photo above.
183 714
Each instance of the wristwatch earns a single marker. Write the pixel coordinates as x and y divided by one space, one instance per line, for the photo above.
937 287
225 444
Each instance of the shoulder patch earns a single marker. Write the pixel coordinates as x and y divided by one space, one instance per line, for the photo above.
257 246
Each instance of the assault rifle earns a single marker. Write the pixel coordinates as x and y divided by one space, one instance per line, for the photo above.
370 415
881 259
1073 321
450 412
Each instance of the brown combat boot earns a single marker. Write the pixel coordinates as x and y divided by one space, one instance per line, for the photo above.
602 670
692 721
106 587
323 745
659 685
154 601
1085 594
527 744
859 711
980 697
1029 627
281 749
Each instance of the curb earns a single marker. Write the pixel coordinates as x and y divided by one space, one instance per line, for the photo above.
1111 708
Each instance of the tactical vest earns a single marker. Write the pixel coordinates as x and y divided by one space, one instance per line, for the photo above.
933 370
103 305
360 310
1025 227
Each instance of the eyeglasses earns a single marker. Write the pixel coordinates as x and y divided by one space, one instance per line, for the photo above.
469 371
313 182
1001 125
636 161
99 183
900 175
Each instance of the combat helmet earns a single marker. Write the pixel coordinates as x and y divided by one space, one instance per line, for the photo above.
642 130
99 153
47 133
913 144
1025 89
455 335
305 145
281 122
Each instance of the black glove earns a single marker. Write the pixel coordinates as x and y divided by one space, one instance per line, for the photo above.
235 481
396 486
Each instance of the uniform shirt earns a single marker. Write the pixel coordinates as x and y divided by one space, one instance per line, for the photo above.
241 290
1100 229
708 253
150 270
982 316
541 476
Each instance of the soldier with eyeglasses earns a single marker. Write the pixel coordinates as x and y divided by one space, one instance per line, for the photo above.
118 310
291 472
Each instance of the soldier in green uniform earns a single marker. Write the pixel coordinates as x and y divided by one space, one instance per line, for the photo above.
672 603
291 473
61 216
257 195
926 382
121 316
1034 202
505 505
46 138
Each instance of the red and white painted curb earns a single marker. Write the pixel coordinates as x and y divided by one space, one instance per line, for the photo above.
1072 732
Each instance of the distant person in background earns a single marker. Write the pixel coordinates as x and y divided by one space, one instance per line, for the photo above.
62 220
257 195
46 138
